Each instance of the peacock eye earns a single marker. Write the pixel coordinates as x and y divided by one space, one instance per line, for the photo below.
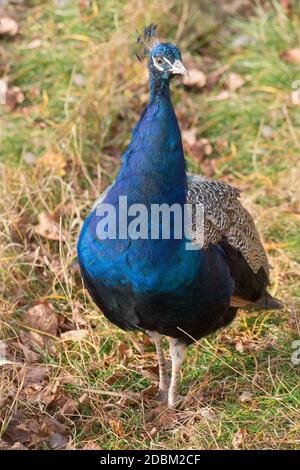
159 61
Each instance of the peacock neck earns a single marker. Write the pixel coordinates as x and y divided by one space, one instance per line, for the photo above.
159 88
153 167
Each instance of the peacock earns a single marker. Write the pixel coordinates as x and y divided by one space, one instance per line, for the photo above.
181 287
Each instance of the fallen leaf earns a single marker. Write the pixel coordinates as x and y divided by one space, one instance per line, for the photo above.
54 162
79 80
295 97
221 144
223 95
161 417
34 44
292 55
207 413
29 158
13 97
125 351
246 396
8 26
116 426
34 375
209 167
84 399
197 148
74 335
91 446
48 226
29 355
18 446
239 438
234 81
268 132
241 41
3 61
3 91
57 441
41 317
69 408
239 346
138 346
286 5
189 136
196 78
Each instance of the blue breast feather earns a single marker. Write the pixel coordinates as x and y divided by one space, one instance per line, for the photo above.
153 171
129 278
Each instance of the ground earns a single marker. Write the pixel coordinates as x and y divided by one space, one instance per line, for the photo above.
69 379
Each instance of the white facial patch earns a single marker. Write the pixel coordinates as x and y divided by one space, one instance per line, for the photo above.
176 68
158 66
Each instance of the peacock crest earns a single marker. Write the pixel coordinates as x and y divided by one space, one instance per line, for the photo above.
148 39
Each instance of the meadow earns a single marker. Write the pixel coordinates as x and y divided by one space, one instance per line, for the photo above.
68 378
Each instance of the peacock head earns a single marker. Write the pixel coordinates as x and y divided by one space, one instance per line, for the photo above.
164 58
165 61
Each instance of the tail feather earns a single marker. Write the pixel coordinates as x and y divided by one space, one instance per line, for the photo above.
266 302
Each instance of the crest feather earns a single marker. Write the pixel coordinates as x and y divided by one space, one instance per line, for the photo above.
149 38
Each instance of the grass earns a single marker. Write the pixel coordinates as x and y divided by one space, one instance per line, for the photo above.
84 90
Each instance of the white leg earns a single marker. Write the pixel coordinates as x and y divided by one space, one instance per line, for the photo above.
162 364
177 352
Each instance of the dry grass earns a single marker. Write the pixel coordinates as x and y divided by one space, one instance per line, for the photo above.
84 90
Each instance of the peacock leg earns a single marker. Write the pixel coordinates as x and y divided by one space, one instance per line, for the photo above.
177 352
162 364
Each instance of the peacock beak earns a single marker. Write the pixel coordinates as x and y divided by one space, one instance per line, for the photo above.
179 69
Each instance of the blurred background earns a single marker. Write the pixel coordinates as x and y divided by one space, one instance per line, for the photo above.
71 90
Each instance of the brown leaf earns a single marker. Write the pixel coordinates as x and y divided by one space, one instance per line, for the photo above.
34 375
207 413
18 446
11 97
246 396
84 399
48 227
125 351
41 317
138 346
221 144
69 408
234 81
196 79
57 441
239 438
8 26
29 355
209 167
74 335
189 136
286 5
34 44
239 346
268 132
116 426
3 61
91 446
292 55
223 95
54 162
161 417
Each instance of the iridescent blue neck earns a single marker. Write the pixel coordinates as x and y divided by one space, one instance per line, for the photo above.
158 87
153 169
